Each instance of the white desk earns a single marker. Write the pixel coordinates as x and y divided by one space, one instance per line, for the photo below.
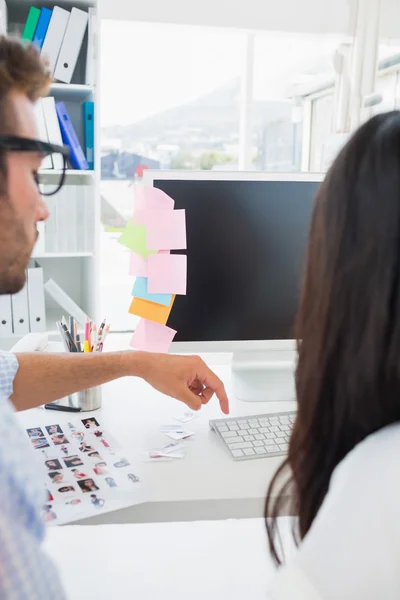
217 560
205 485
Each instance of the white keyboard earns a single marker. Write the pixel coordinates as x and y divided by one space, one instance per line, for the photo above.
255 437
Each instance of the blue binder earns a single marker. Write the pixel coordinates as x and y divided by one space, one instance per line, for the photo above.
42 26
68 133
88 124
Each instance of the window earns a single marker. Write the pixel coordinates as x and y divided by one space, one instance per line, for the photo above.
169 99
321 128
286 64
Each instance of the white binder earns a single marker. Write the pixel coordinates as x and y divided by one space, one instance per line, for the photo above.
37 314
54 36
53 128
40 246
42 131
20 312
6 327
65 301
91 58
3 17
71 45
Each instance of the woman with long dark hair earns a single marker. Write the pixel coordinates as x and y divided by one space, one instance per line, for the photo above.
342 473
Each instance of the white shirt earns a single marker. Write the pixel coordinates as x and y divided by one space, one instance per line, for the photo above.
352 551
26 573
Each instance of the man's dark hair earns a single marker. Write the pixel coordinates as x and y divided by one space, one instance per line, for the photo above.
21 70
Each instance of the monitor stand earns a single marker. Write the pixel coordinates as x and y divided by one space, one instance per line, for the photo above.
264 376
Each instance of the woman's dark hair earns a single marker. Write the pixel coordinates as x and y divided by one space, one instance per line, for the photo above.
348 324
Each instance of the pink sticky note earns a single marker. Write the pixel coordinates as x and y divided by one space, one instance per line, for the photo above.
166 230
152 337
138 265
149 198
144 217
167 274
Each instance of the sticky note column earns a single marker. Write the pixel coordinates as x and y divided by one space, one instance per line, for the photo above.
155 229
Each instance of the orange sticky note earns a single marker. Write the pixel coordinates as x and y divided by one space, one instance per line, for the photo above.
151 311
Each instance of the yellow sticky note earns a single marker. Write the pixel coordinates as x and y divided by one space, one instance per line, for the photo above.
134 237
151 311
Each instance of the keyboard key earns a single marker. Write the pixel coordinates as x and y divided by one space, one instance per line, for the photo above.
240 445
257 436
272 448
249 452
237 453
239 438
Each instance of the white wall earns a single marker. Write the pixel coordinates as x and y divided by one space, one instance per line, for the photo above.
311 16
390 19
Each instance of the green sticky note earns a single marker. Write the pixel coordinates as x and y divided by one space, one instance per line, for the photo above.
134 237
30 25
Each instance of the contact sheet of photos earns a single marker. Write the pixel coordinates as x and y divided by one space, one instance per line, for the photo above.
86 471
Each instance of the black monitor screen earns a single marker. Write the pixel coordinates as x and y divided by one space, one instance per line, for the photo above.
246 243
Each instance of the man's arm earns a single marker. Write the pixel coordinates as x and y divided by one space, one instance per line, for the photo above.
43 378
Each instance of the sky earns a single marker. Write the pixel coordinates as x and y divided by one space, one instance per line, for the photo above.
147 67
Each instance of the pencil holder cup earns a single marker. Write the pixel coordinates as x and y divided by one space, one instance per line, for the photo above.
86 400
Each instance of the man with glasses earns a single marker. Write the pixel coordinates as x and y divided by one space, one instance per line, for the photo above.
29 380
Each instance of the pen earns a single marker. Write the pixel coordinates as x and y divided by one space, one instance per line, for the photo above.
63 338
71 342
87 330
102 325
99 341
78 342
94 338
77 337
72 328
52 406
107 329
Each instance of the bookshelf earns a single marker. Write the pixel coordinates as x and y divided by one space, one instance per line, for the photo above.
74 267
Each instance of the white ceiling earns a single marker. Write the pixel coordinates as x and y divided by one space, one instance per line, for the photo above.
316 16
308 16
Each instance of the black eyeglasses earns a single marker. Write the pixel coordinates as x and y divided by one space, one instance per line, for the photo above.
54 157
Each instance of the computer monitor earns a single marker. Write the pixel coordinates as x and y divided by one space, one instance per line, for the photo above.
246 241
